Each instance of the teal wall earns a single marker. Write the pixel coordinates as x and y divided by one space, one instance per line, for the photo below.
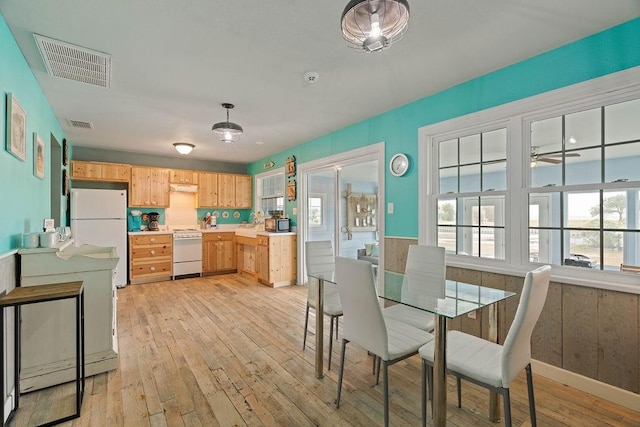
603 53
25 200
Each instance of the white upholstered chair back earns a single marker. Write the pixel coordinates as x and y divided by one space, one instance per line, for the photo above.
516 353
318 259
425 271
363 322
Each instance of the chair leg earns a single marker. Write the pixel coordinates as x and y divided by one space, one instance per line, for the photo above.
344 348
423 393
430 386
385 391
306 324
507 407
532 402
378 370
459 387
330 342
337 320
373 364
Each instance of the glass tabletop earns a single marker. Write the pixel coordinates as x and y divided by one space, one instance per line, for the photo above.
450 299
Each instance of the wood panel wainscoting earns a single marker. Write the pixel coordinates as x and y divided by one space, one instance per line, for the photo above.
226 350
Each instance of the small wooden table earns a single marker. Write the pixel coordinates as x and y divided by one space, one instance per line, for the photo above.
43 293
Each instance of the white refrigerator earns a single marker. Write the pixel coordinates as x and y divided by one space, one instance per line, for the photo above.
99 218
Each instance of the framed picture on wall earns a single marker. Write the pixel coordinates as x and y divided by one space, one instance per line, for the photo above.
38 156
16 128
65 152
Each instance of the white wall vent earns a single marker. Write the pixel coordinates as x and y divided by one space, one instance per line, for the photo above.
80 124
76 63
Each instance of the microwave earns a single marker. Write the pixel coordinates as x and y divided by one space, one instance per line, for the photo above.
277 225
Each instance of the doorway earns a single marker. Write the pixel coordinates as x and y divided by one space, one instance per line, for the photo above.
56 183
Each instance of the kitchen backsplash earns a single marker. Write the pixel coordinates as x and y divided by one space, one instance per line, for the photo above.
243 214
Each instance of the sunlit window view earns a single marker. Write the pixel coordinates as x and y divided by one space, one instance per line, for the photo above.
271 193
315 211
584 208
470 222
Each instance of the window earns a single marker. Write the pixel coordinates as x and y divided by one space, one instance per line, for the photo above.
270 193
584 187
471 197
316 210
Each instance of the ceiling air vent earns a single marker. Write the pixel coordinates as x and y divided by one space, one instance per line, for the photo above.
76 63
80 124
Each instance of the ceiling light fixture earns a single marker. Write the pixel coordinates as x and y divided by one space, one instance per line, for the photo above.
227 131
184 147
373 25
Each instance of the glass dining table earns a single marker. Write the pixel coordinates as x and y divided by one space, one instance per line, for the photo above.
447 300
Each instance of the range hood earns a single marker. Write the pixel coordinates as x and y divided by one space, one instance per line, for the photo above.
184 188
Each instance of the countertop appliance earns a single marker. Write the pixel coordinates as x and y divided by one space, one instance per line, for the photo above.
187 252
277 225
154 221
99 217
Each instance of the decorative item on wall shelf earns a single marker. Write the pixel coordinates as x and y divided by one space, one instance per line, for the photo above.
236 214
38 156
65 182
291 190
65 152
225 214
291 166
16 128
361 212
268 165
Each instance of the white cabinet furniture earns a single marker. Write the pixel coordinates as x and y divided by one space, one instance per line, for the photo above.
48 349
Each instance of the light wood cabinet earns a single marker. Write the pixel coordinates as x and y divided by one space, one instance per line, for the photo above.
98 171
150 257
226 190
182 176
149 187
207 190
276 260
218 252
243 191
246 254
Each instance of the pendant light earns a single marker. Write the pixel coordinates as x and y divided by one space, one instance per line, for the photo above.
183 147
373 25
227 131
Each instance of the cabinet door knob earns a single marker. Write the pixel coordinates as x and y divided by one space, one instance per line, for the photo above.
153 252
153 239
152 269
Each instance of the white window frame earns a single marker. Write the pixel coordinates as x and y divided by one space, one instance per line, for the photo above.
323 209
617 87
257 184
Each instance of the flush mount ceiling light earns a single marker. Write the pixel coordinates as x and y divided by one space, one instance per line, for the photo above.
227 131
183 147
373 25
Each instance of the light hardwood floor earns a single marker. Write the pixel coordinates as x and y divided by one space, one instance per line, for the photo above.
227 351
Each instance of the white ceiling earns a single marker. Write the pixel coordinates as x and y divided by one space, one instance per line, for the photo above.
175 62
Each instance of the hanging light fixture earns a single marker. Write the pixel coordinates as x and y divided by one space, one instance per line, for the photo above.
227 131
373 25
183 147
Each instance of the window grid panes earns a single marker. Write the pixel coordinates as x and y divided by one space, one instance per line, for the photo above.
470 222
593 219
272 193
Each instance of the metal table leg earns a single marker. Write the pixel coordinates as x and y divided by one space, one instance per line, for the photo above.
494 398
319 327
440 373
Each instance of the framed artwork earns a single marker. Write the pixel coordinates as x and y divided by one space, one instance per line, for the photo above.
290 166
38 156
65 152
65 182
16 128
291 190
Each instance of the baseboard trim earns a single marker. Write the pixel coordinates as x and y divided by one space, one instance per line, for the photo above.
588 385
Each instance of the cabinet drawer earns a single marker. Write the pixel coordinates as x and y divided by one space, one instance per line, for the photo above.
263 241
155 239
216 237
150 251
160 268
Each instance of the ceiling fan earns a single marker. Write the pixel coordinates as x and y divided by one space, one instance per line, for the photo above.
548 158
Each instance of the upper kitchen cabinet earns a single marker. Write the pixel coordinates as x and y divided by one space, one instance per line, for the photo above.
149 187
181 176
207 190
243 191
98 171
226 190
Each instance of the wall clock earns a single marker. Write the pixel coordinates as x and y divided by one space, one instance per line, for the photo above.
399 164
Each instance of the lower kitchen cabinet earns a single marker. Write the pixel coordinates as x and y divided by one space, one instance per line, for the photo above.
276 259
150 257
218 252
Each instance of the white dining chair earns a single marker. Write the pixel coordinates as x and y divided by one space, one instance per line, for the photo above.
319 259
424 276
364 325
492 365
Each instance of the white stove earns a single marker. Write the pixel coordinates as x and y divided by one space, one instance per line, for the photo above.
187 252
